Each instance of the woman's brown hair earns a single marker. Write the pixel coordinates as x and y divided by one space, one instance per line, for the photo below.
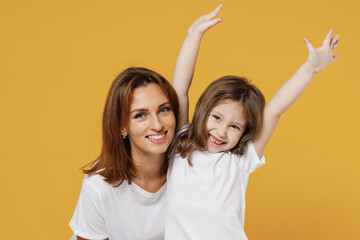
226 88
115 163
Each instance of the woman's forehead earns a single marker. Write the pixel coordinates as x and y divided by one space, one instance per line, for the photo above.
149 96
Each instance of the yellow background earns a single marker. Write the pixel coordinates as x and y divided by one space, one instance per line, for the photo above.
58 59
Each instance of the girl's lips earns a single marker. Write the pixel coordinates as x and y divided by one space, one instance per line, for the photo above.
157 138
214 141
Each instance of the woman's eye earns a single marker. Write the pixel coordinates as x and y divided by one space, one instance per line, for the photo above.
165 109
216 117
235 127
139 115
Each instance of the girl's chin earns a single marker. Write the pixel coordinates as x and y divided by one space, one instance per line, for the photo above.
212 149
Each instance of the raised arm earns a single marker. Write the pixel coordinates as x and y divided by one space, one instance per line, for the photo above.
318 59
185 64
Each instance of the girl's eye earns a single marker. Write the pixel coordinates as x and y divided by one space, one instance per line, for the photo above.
235 127
139 115
216 117
165 109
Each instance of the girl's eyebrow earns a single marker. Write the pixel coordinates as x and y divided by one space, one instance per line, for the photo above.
242 125
145 109
217 113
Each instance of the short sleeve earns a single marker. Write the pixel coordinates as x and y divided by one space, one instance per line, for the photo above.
252 160
88 219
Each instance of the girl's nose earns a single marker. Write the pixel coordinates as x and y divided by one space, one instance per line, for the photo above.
221 131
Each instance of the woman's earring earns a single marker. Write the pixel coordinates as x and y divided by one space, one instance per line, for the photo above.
123 133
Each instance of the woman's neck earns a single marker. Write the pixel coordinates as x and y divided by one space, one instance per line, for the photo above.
148 172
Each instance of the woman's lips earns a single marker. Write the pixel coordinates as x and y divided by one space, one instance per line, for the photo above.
157 138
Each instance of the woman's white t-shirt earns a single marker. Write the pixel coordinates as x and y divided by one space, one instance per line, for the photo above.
207 201
123 212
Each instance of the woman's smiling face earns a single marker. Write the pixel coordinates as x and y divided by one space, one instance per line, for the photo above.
151 123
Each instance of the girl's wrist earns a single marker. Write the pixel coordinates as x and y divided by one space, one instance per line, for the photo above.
195 34
309 67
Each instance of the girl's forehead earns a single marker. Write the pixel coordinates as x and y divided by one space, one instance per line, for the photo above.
230 103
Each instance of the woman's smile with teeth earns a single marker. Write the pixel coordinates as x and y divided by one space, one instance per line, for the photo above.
156 137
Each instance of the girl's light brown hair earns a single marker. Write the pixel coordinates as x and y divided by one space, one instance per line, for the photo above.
115 163
226 88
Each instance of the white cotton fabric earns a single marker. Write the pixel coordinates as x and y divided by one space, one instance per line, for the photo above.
207 201
124 212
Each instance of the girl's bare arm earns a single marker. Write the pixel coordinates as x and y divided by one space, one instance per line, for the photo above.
318 59
185 64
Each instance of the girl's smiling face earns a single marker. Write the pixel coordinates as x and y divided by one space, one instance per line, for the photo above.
151 123
225 125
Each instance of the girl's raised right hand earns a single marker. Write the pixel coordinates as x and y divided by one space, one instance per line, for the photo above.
205 22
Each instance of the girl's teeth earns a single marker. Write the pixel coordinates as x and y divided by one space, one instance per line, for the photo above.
156 137
215 141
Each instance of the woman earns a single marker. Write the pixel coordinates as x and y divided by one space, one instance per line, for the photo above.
123 194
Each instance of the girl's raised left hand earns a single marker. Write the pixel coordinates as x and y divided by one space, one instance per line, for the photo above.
320 58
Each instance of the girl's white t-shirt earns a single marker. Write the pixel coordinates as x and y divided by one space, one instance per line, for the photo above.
207 201
123 212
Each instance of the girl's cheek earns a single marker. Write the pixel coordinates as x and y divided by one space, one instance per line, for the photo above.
237 136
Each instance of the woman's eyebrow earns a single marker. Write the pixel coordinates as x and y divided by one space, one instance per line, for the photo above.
139 110
164 104
146 109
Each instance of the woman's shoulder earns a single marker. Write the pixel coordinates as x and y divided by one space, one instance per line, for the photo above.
96 182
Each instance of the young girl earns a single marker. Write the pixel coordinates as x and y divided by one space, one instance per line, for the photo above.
207 179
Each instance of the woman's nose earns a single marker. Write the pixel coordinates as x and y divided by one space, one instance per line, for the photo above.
156 123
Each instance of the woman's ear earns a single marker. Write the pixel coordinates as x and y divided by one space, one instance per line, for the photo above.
123 133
